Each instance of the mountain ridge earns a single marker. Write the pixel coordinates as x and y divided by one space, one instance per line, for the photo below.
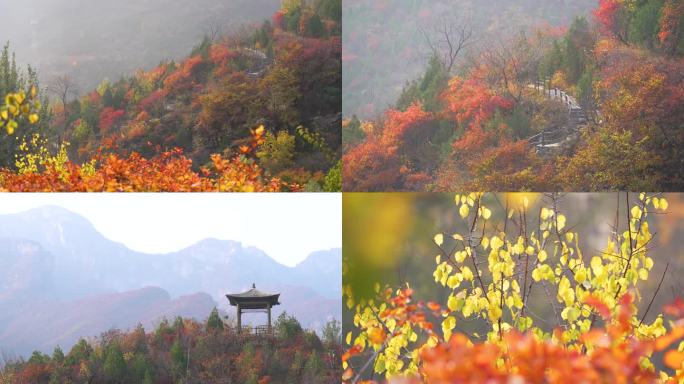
83 293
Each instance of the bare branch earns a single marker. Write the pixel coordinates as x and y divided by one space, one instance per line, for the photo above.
448 40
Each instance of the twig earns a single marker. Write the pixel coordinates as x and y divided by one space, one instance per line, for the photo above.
655 294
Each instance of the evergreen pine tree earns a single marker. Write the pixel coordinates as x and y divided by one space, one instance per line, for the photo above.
214 321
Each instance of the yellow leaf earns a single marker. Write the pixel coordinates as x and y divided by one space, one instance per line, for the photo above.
439 239
11 126
496 243
536 274
486 213
447 325
33 118
494 313
454 281
542 256
464 211
571 314
485 243
566 292
648 263
460 256
561 222
663 204
636 212
457 237
545 213
596 265
581 275
452 303
467 274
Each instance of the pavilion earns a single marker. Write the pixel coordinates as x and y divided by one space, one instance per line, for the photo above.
253 301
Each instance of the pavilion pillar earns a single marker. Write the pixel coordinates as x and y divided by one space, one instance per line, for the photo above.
269 317
239 318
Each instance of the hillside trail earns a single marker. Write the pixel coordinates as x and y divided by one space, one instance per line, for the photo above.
262 61
556 136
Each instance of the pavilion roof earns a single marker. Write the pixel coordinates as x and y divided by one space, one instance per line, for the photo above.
253 296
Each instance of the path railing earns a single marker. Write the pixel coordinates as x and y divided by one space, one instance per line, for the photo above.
554 136
259 330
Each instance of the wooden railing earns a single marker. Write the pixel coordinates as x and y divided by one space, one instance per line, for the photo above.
554 136
259 330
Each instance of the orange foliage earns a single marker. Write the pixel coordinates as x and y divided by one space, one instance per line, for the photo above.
180 79
169 172
472 102
376 163
607 355
484 157
136 129
220 54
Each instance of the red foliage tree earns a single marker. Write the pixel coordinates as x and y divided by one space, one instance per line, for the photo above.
220 54
471 102
181 79
671 25
278 19
612 17
109 117
376 164
153 101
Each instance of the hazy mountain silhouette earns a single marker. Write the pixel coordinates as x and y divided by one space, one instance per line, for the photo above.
61 279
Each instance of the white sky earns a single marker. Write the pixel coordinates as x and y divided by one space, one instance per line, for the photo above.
287 226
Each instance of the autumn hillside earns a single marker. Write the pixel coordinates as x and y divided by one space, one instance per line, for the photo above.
255 109
595 105
188 351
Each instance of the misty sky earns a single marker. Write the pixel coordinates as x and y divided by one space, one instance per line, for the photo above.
287 226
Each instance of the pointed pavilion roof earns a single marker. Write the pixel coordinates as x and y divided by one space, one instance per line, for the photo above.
254 298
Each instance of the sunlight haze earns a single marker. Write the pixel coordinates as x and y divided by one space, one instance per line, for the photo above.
286 226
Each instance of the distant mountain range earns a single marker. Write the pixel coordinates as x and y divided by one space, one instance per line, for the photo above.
60 280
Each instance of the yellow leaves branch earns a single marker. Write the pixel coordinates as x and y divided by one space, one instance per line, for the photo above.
18 105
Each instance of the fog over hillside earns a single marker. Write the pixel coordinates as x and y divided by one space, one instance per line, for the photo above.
384 47
96 39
